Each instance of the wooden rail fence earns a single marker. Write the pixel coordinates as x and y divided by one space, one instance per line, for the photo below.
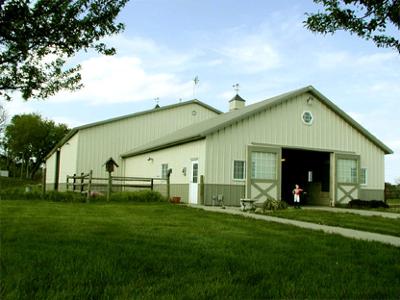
85 183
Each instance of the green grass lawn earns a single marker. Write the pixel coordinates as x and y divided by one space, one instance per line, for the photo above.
393 201
348 220
123 251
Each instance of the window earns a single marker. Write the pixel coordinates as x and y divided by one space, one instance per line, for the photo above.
195 172
263 165
363 176
238 170
347 171
164 170
307 117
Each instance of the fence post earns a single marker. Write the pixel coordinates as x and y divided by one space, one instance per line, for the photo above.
73 183
44 182
168 184
202 189
151 184
109 186
67 183
82 181
89 186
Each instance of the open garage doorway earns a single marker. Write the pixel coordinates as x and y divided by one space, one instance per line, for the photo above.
309 169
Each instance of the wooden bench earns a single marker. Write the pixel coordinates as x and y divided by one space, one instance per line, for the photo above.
247 204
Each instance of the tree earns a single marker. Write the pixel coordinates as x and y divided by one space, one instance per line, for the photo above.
369 19
37 37
29 138
3 118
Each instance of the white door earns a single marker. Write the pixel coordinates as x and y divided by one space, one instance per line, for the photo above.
193 184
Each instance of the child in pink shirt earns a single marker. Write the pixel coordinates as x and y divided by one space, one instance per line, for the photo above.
296 192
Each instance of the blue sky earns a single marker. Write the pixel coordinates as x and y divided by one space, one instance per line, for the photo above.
262 45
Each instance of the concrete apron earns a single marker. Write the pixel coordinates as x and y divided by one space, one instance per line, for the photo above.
350 233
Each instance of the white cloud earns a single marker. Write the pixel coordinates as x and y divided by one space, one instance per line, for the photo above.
226 96
71 123
116 79
330 60
151 54
17 106
376 58
251 54
344 59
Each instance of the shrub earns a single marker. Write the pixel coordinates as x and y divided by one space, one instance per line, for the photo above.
10 182
272 204
138 196
19 193
56 196
357 203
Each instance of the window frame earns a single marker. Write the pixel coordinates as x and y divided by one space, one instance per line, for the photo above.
164 173
255 173
364 171
310 114
349 173
243 169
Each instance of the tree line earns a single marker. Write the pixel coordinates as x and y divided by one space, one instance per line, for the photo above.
25 142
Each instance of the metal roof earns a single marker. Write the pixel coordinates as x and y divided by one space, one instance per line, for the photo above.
202 129
237 98
73 131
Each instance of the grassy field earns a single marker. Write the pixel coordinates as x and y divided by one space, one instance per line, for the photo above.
128 251
348 220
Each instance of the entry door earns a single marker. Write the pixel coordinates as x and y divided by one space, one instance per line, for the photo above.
193 184
347 177
264 173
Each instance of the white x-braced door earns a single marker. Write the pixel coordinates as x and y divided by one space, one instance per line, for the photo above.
347 177
264 173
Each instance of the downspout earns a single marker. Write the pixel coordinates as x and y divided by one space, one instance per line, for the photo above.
57 171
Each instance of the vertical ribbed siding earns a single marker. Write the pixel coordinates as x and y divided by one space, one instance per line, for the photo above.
282 125
97 144
177 158
50 168
68 158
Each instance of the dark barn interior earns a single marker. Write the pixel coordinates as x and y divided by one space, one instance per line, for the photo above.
310 170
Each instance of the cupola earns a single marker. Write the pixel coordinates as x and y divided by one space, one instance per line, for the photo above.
236 102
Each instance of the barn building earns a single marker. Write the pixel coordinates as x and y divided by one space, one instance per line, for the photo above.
262 150
88 147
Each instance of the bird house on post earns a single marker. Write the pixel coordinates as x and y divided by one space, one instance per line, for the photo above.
110 165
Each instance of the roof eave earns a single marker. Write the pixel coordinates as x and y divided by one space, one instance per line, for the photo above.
351 121
149 111
61 143
163 146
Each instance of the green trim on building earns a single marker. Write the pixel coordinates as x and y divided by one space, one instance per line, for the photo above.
231 193
176 190
371 194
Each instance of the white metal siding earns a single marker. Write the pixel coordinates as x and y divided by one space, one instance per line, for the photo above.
177 158
51 168
97 144
68 158
282 125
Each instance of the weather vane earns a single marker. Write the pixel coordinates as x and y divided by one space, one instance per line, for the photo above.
196 81
157 100
236 88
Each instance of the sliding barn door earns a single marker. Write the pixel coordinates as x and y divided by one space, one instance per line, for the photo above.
347 177
264 173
